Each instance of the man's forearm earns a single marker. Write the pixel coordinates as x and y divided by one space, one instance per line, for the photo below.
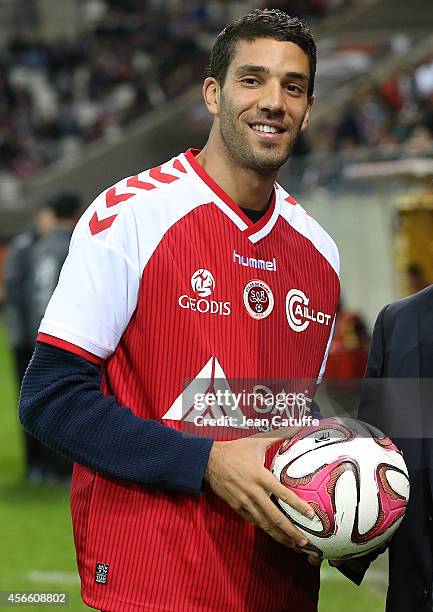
61 404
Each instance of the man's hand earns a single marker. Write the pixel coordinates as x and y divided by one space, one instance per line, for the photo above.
236 473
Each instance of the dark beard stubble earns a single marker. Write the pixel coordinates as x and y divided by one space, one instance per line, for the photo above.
241 152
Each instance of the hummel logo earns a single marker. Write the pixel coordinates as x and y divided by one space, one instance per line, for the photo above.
252 262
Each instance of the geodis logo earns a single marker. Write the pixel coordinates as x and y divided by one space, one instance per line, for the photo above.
203 284
300 314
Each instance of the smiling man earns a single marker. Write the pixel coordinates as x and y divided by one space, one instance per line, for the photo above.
151 296
259 109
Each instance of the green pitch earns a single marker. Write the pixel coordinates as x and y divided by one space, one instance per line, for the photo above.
36 549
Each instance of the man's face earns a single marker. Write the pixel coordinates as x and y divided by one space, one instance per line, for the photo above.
263 105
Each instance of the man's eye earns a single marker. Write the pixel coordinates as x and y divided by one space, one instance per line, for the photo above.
293 88
249 81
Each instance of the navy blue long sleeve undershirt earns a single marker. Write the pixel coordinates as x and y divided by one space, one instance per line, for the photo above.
62 405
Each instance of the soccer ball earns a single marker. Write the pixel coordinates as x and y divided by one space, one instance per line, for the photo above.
355 479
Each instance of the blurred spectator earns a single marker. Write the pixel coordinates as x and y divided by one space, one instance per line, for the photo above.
349 349
424 77
21 337
17 288
49 254
415 278
33 266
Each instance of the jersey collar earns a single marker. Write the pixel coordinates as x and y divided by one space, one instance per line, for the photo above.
254 231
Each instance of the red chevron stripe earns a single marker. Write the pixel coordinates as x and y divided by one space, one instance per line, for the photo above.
291 200
178 166
112 198
134 181
162 177
97 225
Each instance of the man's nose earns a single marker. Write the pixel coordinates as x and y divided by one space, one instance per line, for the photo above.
272 97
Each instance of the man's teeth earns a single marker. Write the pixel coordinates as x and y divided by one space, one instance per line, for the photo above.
264 128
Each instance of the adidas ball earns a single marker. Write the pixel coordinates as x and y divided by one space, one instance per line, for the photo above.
355 479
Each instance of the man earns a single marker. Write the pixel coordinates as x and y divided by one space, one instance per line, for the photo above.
43 269
397 398
49 254
202 268
17 292
17 317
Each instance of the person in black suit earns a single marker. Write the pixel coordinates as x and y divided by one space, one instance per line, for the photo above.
397 398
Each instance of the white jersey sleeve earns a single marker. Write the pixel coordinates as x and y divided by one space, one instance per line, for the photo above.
98 287
114 240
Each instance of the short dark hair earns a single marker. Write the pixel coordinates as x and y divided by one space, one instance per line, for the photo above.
65 205
261 23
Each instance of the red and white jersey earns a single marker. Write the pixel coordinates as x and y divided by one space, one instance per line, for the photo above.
167 282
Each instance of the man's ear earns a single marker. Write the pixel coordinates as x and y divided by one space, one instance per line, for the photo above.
307 113
211 95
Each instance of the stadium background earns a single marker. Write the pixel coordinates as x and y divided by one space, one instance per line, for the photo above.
94 90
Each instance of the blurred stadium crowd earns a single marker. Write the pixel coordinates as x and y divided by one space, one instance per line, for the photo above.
394 116
129 57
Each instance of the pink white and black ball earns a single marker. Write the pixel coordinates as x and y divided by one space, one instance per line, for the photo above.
356 480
